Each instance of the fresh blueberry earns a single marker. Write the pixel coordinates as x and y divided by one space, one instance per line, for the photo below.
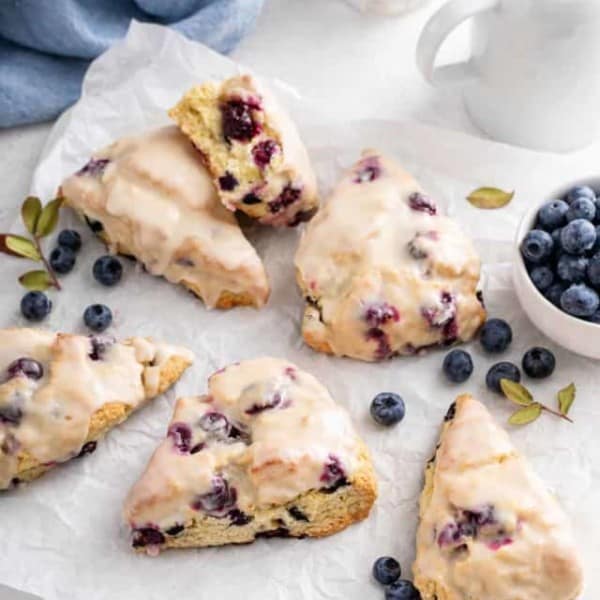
97 317
108 270
458 366
596 247
496 335
580 191
552 215
537 246
386 570
402 590
538 362
69 238
578 236
554 292
62 259
572 269
387 408
501 370
27 367
582 208
580 300
593 270
35 306
542 277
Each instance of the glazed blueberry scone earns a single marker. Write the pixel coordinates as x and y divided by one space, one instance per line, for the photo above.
252 148
60 393
489 529
151 197
382 271
266 453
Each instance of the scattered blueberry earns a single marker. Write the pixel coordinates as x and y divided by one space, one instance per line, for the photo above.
538 362
458 366
237 120
69 238
554 292
402 590
146 536
97 317
542 277
25 366
62 259
35 306
578 236
501 370
572 269
228 182
593 270
386 570
582 208
552 215
537 246
387 408
496 335
580 300
108 270
579 191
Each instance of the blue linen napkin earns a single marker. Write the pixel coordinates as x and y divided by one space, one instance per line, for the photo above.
46 45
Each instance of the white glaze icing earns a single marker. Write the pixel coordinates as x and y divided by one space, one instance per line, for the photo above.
384 277
281 454
525 552
56 409
200 116
156 201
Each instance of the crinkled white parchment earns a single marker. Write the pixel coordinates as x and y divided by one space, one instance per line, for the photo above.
62 536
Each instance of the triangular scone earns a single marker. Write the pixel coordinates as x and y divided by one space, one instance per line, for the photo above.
252 149
151 197
382 271
266 453
489 529
60 393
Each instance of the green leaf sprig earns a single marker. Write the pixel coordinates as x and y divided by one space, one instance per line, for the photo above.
530 409
40 221
490 197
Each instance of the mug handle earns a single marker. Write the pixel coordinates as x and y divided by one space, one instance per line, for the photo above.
437 30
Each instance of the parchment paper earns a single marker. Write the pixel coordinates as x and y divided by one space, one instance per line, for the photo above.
62 537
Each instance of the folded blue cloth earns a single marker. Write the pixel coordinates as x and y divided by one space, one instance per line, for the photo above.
46 45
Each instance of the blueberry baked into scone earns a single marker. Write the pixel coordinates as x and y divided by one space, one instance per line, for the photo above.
151 197
384 273
489 529
265 453
252 149
61 393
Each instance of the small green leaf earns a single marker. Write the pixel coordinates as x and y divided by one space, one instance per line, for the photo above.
30 212
36 280
22 247
566 397
526 415
49 218
4 248
490 197
516 392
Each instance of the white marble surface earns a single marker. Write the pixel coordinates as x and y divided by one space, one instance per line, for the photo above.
353 65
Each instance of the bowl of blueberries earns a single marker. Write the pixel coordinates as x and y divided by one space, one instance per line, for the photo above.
556 270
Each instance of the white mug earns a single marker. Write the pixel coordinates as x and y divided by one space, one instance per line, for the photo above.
533 78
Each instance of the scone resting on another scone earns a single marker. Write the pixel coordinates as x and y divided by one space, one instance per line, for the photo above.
252 148
150 196
266 453
61 393
489 529
382 271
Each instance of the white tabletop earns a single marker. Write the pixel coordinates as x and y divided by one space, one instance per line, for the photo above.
355 66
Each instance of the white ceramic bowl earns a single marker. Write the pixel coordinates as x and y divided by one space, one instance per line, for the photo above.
574 334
